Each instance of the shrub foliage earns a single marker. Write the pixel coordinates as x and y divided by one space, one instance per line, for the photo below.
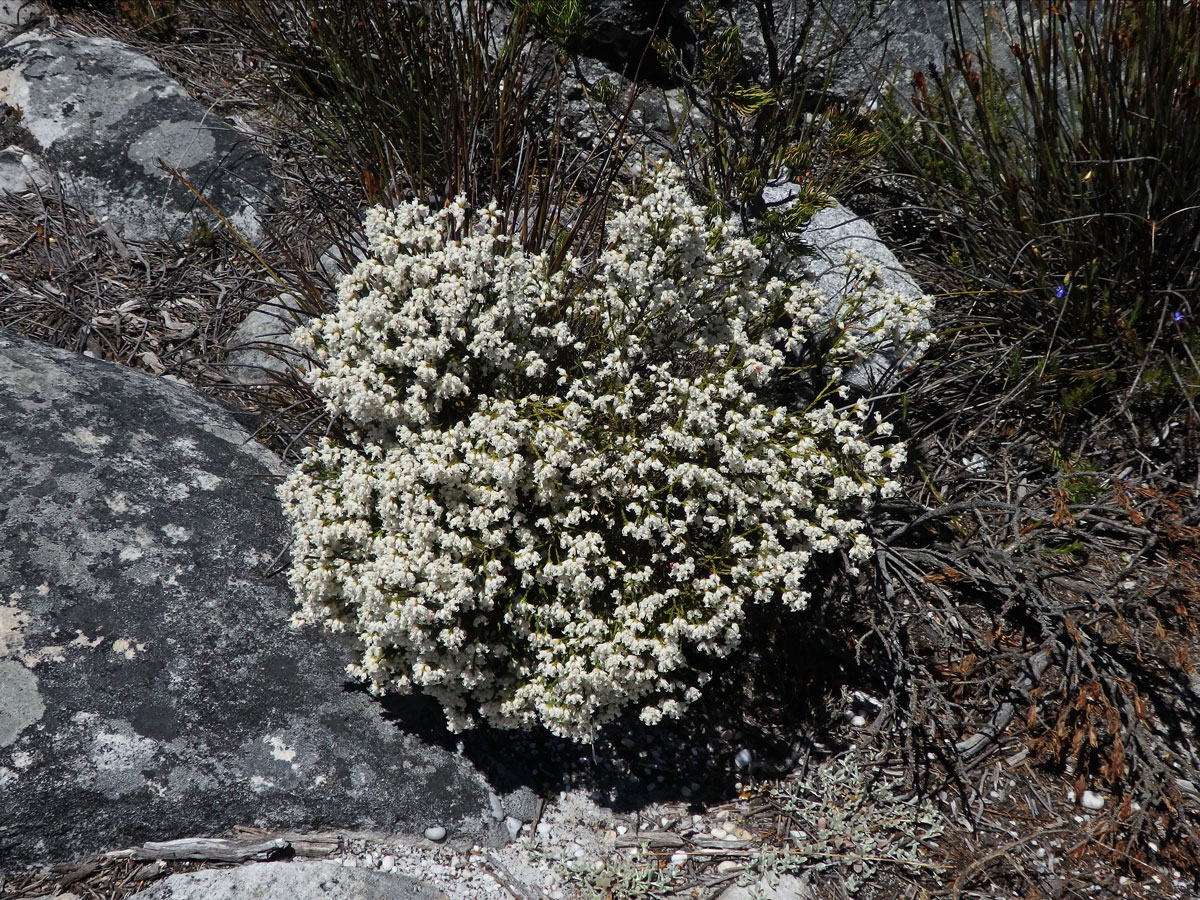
561 486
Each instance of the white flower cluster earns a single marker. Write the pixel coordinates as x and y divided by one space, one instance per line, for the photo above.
564 484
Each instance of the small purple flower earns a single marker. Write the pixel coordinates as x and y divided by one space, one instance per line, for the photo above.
1060 291
1177 316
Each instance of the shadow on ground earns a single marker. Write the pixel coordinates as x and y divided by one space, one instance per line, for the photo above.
783 696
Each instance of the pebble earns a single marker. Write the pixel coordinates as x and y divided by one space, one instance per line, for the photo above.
497 807
743 759
678 858
728 866
387 863
1091 800
858 721
435 833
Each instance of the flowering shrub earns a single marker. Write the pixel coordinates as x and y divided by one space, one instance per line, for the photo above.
564 485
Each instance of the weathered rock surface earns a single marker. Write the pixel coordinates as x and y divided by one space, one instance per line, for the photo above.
261 347
782 887
621 33
288 881
18 14
832 234
103 116
884 41
19 172
150 688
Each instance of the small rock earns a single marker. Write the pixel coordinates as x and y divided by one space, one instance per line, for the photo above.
1091 800
387 863
728 866
858 721
521 804
743 759
513 825
497 806
435 833
678 858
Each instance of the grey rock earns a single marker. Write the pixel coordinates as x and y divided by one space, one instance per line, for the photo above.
521 805
878 42
832 233
339 260
151 686
18 14
20 172
620 32
262 346
300 880
103 116
22 702
769 887
495 833
495 806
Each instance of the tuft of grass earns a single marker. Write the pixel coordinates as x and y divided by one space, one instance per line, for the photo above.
783 123
425 99
1062 151
562 21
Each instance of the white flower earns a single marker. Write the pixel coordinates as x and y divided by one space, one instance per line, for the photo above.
559 484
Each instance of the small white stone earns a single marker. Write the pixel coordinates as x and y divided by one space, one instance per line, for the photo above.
350 862
1091 800
387 864
544 829
728 866
858 721
621 829
719 833
513 825
678 858
435 833
743 759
